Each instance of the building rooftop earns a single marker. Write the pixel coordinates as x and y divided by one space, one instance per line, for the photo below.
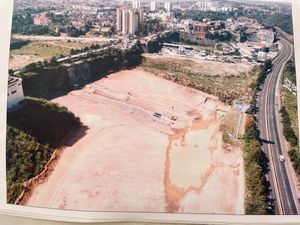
12 80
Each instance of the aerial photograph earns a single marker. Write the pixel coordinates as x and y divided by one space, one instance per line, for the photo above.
166 106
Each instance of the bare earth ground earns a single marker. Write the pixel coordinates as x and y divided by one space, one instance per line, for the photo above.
129 160
205 66
19 61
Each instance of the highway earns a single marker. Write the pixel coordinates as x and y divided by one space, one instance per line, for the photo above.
283 187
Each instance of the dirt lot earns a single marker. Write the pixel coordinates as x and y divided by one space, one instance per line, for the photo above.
130 159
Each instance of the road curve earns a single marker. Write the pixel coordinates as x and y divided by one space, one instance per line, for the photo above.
273 142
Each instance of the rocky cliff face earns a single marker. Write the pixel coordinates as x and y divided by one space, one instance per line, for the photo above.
79 74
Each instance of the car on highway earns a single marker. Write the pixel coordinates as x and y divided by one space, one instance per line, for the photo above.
271 204
281 158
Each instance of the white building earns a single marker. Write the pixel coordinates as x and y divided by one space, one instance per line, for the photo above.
119 19
153 6
136 4
15 92
261 56
125 21
168 6
133 21
129 20
164 16
215 6
141 17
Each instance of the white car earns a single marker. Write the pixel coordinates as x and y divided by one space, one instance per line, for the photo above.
281 158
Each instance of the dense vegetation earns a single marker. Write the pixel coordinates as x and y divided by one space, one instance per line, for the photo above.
255 168
294 155
34 130
189 39
281 20
200 15
16 44
264 71
289 115
74 32
25 158
288 131
151 26
24 25
288 98
49 79
290 71
59 19
44 120
265 68
223 36
255 161
156 45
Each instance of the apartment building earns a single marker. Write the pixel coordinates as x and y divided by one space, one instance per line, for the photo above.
129 20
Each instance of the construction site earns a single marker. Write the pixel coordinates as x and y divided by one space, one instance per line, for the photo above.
147 145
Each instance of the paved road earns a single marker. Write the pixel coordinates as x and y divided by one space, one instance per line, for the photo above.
282 185
61 38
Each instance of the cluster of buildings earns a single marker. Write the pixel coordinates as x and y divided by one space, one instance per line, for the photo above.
250 38
190 52
200 29
41 19
155 5
129 20
256 46
258 39
214 6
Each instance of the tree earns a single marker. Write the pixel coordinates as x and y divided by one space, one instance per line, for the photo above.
254 164
53 61
72 51
73 32
11 72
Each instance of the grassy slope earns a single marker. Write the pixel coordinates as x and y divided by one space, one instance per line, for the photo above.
290 101
227 87
41 50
